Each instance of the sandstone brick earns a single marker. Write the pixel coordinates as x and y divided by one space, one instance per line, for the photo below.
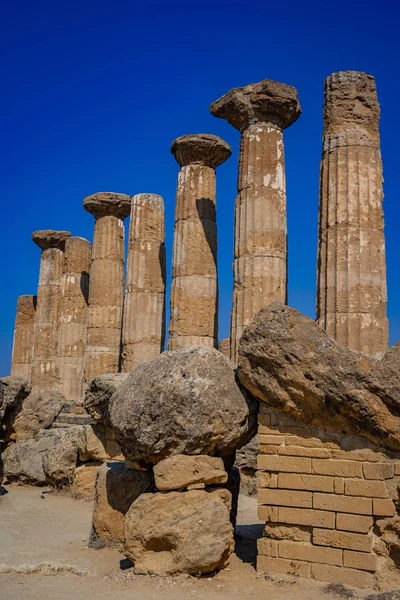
263 428
339 485
309 442
383 508
345 504
369 489
268 449
342 539
280 565
295 533
265 410
363 455
354 523
268 513
333 574
275 440
267 480
308 552
267 547
285 498
313 518
339 468
311 483
284 464
309 452
397 469
378 470
264 420
360 560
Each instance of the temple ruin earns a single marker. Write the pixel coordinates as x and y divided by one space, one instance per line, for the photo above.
155 433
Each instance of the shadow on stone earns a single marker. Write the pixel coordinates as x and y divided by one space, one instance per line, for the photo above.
246 537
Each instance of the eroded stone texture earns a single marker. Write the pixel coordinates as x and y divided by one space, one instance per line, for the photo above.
45 367
224 346
351 296
22 352
179 472
260 112
106 288
73 317
98 395
143 330
194 291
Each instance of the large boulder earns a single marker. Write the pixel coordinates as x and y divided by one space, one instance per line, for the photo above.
178 532
180 471
116 488
39 411
287 361
183 402
98 395
59 462
13 391
23 462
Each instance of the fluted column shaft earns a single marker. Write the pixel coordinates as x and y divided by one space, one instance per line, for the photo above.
74 317
351 294
143 330
22 352
260 259
194 293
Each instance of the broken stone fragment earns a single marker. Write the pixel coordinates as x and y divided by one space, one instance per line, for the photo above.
84 484
48 238
179 472
98 395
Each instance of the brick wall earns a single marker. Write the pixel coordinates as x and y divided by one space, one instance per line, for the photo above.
322 495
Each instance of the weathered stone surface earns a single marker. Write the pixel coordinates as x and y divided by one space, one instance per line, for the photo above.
184 402
59 462
13 391
39 411
22 352
246 462
23 462
194 291
143 327
106 287
260 111
74 317
84 485
116 489
98 395
224 346
179 532
49 238
287 361
351 294
180 471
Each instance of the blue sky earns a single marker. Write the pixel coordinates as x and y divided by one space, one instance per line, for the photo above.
93 94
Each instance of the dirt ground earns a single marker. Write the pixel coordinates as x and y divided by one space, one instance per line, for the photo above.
47 533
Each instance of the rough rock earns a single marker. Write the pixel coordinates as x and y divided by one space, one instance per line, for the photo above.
178 472
84 485
23 462
39 411
183 402
59 462
246 462
13 391
49 238
99 444
98 395
178 532
116 489
287 361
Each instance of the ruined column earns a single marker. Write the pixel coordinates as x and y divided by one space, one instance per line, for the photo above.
22 352
260 112
143 330
351 291
73 317
45 367
194 291
106 287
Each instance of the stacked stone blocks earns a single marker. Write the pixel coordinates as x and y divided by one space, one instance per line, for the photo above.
321 495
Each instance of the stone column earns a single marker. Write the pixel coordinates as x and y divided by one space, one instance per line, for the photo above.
22 352
260 112
106 287
351 291
73 317
194 292
143 330
45 368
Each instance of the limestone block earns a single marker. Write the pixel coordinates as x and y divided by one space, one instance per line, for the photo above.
342 539
84 484
22 352
354 523
178 472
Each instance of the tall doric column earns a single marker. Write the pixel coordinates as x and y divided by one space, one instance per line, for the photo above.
106 287
194 292
73 317
45 368
260 112
22 352
351 294
143 330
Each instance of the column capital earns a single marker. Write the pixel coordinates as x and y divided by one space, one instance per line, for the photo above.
266 101
104 204
48 238
209 150
351 102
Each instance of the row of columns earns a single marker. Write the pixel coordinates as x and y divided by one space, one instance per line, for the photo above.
83 324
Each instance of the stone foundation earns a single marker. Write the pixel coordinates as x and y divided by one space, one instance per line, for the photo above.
327 500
